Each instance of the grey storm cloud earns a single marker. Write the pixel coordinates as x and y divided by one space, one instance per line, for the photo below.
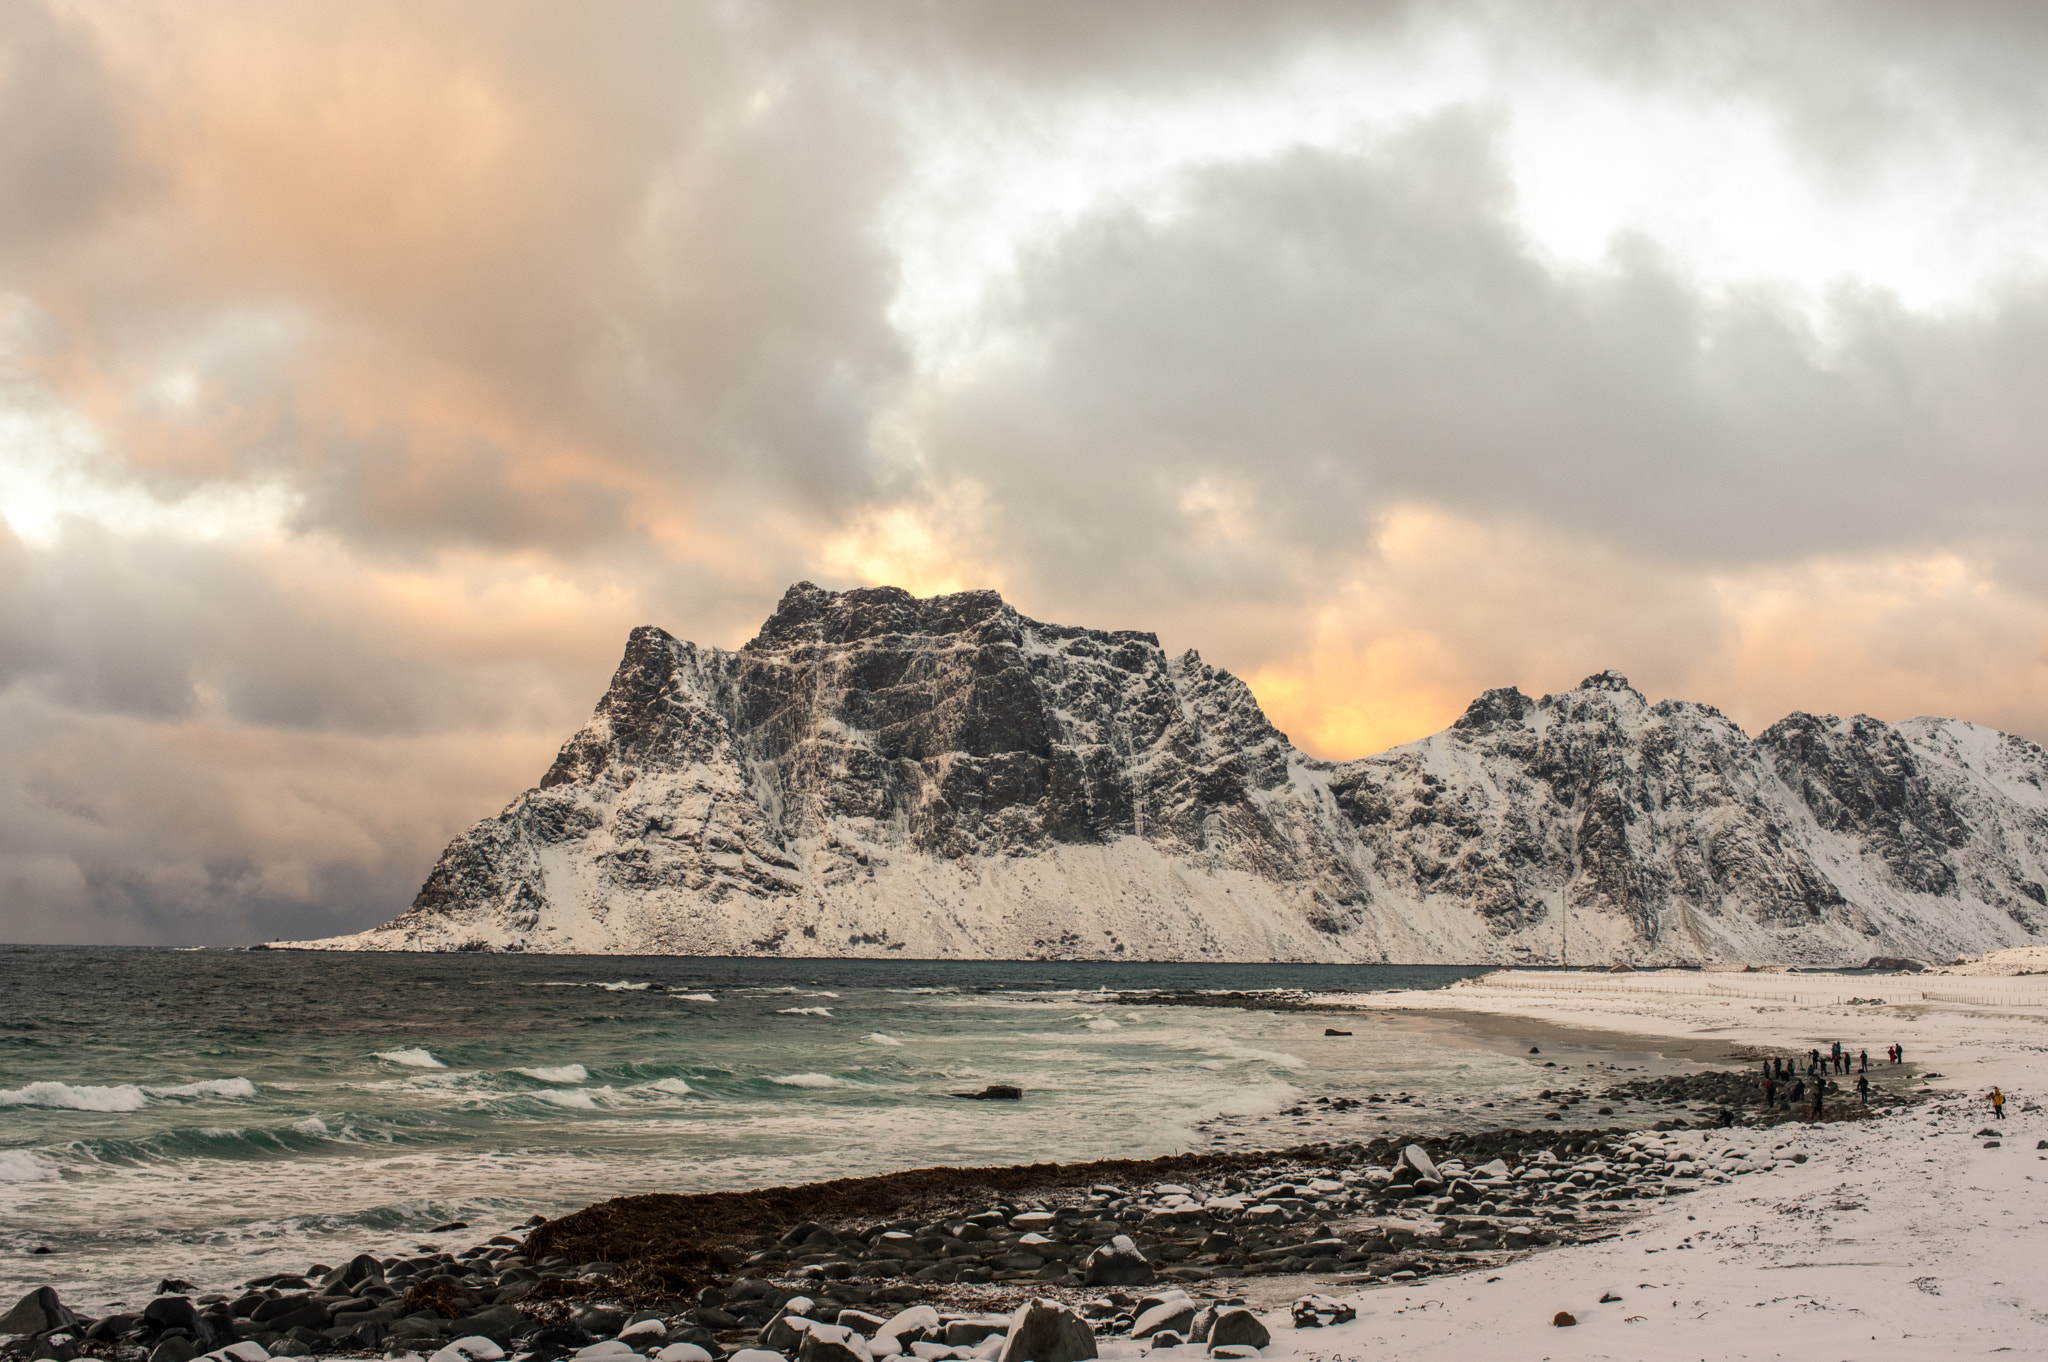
1336 335
541 321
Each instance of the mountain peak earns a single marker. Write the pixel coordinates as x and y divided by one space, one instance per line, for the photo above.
1607 680
809 613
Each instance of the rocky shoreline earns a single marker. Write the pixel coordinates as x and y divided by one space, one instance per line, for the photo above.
1037 1261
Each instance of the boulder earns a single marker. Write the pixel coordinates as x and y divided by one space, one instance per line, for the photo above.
973 1329
359 1269
914 1325
602 1320
1116 1263
176 1312
998 1092
472 1348
365 1337
1893 964
1415 1159
1176 1313
1046 1331
785 1333
830 1343
683 1352
39 1312
755 1355
1238 1328
499 1324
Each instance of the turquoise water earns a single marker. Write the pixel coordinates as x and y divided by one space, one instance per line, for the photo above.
210 1114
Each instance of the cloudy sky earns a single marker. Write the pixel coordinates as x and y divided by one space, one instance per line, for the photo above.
367 370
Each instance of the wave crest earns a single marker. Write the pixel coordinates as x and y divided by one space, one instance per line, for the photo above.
809 1081
415 1058
117 1096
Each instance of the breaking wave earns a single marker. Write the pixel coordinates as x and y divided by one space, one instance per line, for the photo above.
18 1165
119 1096
809 1081
416 1058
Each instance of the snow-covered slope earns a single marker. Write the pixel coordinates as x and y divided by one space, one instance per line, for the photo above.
878 774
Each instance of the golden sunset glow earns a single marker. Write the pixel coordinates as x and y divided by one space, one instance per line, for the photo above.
367 371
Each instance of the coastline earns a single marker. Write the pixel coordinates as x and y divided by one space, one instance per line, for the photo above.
1728 1231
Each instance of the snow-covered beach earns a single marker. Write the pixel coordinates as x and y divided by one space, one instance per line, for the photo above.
1898 1237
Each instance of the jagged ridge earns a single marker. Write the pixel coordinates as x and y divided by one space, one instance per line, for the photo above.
875 773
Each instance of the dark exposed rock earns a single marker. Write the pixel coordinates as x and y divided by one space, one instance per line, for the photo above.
873 772
1046 1331
1117 1263
176 1312
1239 1328
39 1312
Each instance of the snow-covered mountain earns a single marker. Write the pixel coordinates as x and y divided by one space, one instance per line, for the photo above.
877 774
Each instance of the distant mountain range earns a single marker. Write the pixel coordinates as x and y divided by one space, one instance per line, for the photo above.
876 774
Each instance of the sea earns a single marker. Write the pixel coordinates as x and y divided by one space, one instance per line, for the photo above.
216 1115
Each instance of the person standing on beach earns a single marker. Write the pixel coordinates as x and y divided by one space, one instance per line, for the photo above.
1998 1103
1770 1091
1863 1088
1819 1091
1863 1057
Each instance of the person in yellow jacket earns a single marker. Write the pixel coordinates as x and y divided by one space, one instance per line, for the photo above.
1998 1103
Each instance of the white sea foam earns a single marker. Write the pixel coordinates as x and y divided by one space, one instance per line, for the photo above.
1282 1060
695 998
567 1073
809 1081
803 1011
579 1098
1104 1024
81 1097
311 1125
208 1087
18 1165
670 1085
623 987
1256 1100
877 1038
415 1058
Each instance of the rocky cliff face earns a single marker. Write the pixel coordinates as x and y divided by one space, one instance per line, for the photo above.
877 774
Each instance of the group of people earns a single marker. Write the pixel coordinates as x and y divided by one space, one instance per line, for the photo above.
1837 1060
